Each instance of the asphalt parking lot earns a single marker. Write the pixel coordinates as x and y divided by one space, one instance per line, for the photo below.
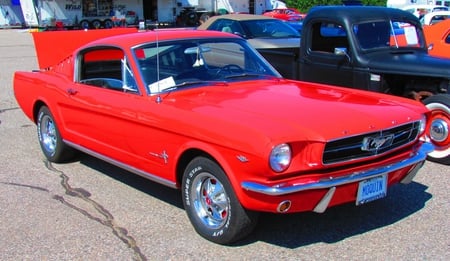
90 210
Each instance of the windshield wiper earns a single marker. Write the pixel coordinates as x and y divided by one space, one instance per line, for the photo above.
242 75
190 83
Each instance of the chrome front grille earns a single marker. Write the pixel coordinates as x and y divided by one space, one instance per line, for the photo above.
370 144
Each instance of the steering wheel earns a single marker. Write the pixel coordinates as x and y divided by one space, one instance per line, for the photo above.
231 68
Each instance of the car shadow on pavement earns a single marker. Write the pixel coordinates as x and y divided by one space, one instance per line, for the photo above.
156 190
340 222
299 229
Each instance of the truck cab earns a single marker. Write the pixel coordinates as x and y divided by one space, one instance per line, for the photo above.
377 49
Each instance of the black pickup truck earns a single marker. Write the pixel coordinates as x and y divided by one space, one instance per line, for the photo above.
377 49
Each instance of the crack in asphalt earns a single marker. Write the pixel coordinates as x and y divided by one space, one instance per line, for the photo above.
26 186
83 194
9 109
108 220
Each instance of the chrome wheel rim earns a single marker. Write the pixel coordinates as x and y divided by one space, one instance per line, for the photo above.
48 134
210 200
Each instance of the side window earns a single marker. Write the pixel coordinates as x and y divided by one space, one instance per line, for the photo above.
326 37
225 25
217 25
106 68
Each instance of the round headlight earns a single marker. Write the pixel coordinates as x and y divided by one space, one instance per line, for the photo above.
280 157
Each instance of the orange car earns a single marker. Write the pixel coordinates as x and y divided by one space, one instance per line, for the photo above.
438 38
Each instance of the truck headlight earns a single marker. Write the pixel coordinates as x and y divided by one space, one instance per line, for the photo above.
280 157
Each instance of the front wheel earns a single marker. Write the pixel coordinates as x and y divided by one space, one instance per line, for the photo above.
50 139
439 105
212 206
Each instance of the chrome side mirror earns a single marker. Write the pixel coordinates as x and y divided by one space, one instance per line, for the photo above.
342 51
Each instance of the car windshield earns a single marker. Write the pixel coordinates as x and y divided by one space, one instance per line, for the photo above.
387 34
272 28
192 63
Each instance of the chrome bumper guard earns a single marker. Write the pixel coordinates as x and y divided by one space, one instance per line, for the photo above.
418 158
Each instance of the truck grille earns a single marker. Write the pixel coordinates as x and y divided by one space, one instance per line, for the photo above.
370 144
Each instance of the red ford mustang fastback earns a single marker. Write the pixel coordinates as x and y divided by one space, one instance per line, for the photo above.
203 112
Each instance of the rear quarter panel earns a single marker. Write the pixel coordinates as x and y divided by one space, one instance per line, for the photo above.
26 89
34 88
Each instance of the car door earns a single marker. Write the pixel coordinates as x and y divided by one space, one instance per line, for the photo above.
110 116
327 57
101 104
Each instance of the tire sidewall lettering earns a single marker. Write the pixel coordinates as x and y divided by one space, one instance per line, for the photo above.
221 231
187 188
39 122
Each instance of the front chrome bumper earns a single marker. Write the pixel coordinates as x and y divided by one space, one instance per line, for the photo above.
417 159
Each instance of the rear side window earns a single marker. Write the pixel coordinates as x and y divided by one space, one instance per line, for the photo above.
105 67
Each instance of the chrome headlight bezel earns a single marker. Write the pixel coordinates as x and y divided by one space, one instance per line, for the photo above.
280 157
422 125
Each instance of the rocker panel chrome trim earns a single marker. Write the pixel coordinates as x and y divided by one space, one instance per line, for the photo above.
280 189
124 166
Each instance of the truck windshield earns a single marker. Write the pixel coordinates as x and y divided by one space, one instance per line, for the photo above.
387 34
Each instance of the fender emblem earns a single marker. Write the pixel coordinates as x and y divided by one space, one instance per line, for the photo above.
162 155
375 143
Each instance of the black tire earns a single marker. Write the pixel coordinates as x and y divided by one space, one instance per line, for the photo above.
50 139
211 204
84 24
108 24
96 24
440 106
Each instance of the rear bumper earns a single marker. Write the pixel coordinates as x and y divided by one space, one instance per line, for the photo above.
281 189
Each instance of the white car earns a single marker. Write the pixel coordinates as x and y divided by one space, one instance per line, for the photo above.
435 17
421 10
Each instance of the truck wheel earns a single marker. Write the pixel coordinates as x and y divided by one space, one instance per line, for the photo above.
50 139
440 126
108 24
212 206
96 24
84 24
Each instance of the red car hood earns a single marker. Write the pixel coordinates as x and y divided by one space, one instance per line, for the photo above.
283 111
